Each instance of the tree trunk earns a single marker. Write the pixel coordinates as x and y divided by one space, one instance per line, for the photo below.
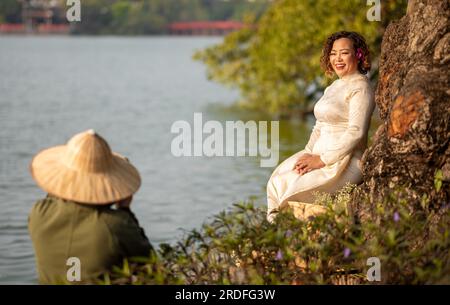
413 91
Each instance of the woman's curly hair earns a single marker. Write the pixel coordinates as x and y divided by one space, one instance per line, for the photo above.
358 43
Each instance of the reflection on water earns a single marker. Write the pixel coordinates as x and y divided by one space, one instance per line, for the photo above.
130 90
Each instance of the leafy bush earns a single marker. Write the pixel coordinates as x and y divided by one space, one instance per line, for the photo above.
275 64
241 247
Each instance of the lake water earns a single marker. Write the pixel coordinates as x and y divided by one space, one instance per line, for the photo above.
130 90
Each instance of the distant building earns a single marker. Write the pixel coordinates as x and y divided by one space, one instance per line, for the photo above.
39 16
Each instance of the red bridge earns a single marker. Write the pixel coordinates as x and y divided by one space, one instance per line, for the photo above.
204 27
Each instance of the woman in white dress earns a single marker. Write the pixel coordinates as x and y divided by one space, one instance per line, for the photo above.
332 155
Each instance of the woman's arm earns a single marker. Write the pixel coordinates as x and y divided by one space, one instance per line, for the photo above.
130 237
305 163
361 106
315 134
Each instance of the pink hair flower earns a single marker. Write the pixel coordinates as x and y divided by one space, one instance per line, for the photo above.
359 54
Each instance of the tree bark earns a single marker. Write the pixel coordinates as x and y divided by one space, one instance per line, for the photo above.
412 95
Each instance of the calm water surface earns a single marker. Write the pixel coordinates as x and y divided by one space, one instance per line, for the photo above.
130 90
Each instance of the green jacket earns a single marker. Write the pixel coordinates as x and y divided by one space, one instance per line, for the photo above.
98 236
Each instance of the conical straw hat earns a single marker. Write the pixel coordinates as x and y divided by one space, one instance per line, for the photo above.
85 170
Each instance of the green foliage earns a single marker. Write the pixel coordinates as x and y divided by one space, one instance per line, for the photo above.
438 180
10 11
241 247
131 17
276 65
125 17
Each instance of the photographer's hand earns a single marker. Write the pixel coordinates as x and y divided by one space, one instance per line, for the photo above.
124 203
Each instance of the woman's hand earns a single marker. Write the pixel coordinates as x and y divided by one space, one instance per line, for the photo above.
307 163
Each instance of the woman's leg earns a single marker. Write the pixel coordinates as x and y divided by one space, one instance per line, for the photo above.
278 183
276 189
288 164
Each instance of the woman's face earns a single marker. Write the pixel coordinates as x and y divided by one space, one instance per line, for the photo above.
343 58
